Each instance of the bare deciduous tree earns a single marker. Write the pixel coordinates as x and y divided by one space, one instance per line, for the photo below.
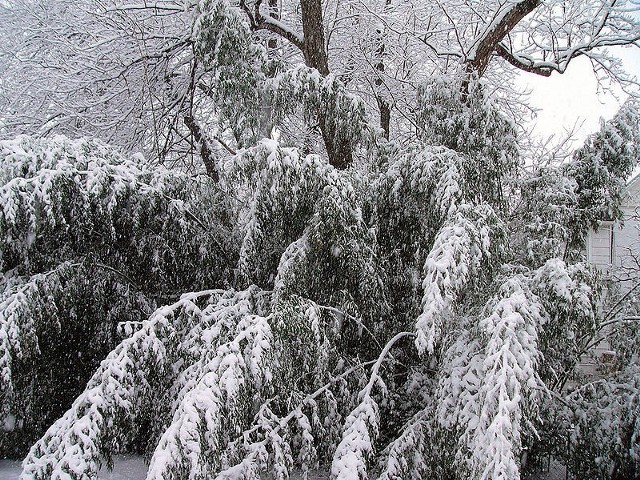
127 72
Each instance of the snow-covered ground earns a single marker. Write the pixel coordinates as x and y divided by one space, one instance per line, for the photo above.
9 470
125 467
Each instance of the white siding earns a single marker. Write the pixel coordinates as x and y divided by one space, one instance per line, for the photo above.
627 237
616 248
600 249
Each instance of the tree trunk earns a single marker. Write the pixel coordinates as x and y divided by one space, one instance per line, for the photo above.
385 116
383 105
315 56
205 150
315 53
274 13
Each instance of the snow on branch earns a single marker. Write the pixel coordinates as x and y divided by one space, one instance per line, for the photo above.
571 294
259 21
460 245
278 437
220 28
304 89
510 381
490 390
38 312
166 355
226 385
548 208
282 190
503 22
362 425
431 173
63 199
22 308
299 208
236 67
408 455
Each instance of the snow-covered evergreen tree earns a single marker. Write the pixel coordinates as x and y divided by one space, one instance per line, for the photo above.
409 314
89 241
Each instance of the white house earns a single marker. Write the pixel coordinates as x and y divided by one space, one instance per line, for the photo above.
616 245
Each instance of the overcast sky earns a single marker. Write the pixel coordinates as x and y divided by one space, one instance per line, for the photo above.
573 97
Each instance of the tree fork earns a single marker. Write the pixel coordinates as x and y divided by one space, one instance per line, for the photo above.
312 45
488 42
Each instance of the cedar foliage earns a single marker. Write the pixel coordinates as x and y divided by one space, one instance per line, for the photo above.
404 317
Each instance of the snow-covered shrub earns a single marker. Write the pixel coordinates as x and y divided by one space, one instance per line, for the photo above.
55 328
595 427
545 213
471 125
490 387
600 169
402 326
88 239
222 43
64 200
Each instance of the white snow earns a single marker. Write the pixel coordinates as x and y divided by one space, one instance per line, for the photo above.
125 467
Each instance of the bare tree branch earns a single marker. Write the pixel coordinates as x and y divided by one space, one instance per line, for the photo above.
504 21
522 63
258 21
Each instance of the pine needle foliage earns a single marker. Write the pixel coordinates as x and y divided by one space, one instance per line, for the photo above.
90 241
405 317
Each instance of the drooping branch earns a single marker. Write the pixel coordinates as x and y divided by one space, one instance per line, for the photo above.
562 56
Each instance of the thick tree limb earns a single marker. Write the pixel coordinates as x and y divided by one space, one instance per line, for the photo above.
258 21
486 44
520 63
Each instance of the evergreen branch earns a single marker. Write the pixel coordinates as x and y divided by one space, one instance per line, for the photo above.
117 272
358 321
362 425
376 367
257 447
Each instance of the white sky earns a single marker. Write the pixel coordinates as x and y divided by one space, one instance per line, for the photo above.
573 97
